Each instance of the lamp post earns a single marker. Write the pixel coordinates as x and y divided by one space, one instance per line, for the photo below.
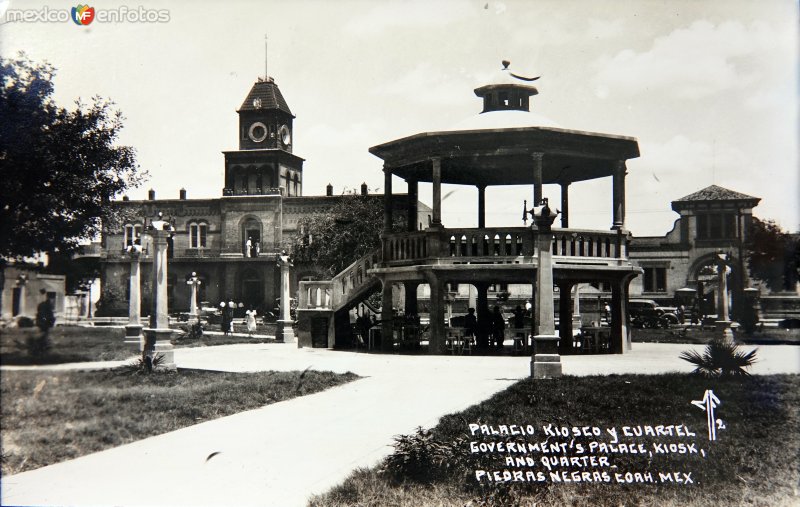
722 325
133 330
284 332
158 334
194 282
545 363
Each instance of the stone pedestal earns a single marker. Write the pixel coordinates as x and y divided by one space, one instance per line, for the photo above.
284 332
157 344
158 334
134 339
546 362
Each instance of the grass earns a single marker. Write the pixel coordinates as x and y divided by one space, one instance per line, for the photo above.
69 344
753 462
697 335
52 417
77 344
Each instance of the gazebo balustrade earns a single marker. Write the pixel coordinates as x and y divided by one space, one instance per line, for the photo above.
457 245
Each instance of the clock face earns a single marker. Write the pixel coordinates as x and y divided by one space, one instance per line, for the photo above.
257 103
257 132
286 136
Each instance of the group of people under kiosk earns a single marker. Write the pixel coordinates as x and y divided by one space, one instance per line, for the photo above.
492 335
231 311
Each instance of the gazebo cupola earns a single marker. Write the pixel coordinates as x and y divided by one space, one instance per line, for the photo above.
507 92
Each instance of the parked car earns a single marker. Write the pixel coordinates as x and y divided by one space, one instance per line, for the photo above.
647 313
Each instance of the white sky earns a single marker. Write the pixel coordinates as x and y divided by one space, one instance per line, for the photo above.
709 88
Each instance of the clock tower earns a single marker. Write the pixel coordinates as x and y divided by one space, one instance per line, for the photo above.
264 163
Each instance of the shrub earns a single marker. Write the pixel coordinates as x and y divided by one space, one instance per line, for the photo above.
144 365
423 459
720 358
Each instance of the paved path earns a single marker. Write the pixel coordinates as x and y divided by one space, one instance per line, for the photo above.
279 454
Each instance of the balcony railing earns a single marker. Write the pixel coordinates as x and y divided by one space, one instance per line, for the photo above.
464 244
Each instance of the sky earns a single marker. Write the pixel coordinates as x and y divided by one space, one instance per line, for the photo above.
708 87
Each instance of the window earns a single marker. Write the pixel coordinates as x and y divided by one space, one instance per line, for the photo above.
716 226
132 234
655 279
198 233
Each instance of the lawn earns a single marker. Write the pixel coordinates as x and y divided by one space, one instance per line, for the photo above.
754 460
698 335
49 417
74 344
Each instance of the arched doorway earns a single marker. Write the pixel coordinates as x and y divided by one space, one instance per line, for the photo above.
251 237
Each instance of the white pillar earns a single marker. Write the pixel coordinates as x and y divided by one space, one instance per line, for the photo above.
285 332
133 330
158 334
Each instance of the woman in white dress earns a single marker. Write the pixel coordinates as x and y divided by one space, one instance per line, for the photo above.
251 321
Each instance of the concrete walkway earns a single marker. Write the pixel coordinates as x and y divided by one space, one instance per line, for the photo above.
280 454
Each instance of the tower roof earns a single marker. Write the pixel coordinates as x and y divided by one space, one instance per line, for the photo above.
717 193
265 94
714 194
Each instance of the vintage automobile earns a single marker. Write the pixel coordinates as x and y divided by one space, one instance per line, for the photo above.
647 313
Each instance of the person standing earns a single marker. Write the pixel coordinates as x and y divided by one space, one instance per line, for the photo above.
251 320
225 325
45 320
231 312
498 327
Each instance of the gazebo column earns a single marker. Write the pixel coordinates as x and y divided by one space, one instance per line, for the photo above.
411 298
436 169
619 195
436 345
387 200
565 317
565 205
411 205
537 178
387 338
481 206
620 332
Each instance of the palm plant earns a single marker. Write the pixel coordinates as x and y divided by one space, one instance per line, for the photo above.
720 358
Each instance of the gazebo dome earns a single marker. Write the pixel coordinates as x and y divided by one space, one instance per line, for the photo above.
506 104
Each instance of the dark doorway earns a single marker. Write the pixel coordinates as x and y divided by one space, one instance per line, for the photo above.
319 332
252 289
15 301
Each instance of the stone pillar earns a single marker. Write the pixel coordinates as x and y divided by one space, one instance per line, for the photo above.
22 281
436 345
411 205
619 195
158 334
723 324
620 332
387 337
134 340
538 158
387 200
565 317
194 283
545 363
481 206
565 205
411 298
436 169
284 332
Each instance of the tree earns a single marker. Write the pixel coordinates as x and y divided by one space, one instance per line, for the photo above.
59 168
772 255
344 233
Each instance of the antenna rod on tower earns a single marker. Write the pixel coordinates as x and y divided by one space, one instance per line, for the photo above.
266 58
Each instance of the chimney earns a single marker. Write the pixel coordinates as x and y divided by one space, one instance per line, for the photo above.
364 190
126 198
183 194
329 190
151 194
